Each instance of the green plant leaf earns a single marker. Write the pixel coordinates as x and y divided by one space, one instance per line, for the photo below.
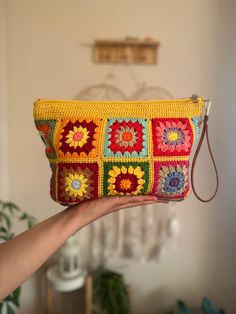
15 296
110 293
11 207
10 309
4 238
11 235
24 216
3 229
5 234
208 307
8 298
1 307
12 298
6 218
31 222
183 308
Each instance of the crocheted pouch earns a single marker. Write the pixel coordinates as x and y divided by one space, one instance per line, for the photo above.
119 147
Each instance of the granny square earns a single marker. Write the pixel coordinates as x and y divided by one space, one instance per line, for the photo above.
197 121
126 138
171 179
78 137
77 182
46 131
172 137
125 178
53 186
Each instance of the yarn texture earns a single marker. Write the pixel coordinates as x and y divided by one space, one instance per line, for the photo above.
118 148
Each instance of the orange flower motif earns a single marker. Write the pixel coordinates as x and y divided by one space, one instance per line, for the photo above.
126 137
125 181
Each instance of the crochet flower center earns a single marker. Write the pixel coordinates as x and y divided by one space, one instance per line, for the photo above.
126 136
77 136
174 181
76 184
125 184
173 136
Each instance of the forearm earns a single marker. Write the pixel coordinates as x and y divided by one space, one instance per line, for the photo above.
24 254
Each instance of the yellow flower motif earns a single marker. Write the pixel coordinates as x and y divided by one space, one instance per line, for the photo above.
76 184
123 169
125 181
77 137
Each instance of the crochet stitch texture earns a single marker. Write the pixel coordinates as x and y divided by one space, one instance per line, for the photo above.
118 148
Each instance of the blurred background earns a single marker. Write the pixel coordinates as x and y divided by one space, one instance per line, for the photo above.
46 52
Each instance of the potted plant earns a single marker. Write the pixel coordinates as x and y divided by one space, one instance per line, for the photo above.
9 214
110 293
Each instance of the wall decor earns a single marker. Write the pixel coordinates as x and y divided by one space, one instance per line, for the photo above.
129 50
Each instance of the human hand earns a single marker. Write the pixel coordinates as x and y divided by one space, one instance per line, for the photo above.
91 210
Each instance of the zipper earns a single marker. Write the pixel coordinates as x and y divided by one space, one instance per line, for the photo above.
207 103
194 98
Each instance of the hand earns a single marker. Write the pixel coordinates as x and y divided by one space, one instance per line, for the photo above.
91 210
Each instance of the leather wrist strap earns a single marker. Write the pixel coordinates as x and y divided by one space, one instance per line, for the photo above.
204 132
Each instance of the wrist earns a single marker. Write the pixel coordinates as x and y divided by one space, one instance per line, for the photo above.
74 219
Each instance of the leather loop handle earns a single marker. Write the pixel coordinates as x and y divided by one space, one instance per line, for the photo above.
204 131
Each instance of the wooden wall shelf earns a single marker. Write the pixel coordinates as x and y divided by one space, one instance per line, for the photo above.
125 51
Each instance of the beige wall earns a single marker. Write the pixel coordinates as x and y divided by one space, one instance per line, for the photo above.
3 105
47 57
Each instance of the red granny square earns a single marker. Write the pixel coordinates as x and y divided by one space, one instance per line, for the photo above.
172 137
77 182
171 179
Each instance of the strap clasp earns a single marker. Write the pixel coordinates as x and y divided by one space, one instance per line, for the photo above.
207 107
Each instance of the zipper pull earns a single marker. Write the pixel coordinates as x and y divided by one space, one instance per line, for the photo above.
194 98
